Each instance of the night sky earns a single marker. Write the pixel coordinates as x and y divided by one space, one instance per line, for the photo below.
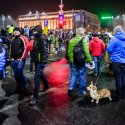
99 7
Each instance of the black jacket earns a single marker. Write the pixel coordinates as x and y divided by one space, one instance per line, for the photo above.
19 47
40 49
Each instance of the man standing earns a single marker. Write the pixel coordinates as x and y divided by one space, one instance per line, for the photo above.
19 51
40 51
116 49
78 71
96 48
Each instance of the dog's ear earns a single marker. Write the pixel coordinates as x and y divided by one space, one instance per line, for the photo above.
94 88
91 83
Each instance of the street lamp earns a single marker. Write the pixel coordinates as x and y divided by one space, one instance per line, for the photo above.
117 20
3 19
37 13
37 16
117 17
29 13
9 17
43 13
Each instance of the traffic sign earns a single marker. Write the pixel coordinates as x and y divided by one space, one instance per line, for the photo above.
77 17
45 23
61 16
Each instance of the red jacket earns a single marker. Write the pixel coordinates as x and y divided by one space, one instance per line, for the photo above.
96 47
26 47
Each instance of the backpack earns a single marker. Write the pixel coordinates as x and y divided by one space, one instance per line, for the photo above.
79 56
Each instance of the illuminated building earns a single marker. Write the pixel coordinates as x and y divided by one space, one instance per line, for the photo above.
73 19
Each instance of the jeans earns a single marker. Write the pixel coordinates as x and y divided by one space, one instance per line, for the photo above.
52 48
37 79
60 47
96 60
70 72
119 74
18 67
2 74
32 64
78 73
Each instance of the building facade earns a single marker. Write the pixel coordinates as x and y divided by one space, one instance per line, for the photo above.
73 19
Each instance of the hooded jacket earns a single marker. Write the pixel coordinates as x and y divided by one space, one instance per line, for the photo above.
96 47
40 47
72 44
116 48
10 30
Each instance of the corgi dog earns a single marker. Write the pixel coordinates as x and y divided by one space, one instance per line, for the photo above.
97 95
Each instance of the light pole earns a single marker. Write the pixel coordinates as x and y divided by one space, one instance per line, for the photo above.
61 7
30 13
117 19
37 16
10 18
3 19
123 21
61 17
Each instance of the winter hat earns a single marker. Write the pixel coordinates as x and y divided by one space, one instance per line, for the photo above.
80 31
118 29
16 31
95 34
38 28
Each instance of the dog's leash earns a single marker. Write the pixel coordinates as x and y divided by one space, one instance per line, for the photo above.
99 74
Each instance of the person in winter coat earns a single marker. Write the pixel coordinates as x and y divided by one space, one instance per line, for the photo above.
10 30
52 43
2 60
40 51
19 51
60 40
96 49
116 50
26 31
56 43
78 72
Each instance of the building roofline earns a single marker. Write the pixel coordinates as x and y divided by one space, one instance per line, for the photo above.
65 12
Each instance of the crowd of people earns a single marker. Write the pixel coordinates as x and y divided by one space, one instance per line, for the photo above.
80 48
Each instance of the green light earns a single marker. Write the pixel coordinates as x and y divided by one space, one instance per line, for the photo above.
110 17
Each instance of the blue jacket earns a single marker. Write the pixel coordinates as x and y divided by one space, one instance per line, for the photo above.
2 60
116 48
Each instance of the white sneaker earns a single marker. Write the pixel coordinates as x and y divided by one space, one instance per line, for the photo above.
90 66
33 101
